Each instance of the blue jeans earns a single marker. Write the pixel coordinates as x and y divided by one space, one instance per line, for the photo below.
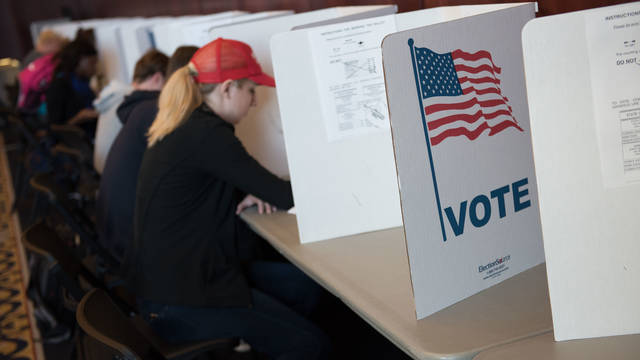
275 325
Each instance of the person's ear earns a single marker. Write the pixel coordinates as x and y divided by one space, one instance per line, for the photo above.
225 87
158 78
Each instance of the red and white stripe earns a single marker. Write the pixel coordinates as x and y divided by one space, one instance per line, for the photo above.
481 107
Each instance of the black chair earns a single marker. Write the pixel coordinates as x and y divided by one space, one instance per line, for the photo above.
110 334
25 144
42 240
73 274
115 307
57 282
75 142
58 195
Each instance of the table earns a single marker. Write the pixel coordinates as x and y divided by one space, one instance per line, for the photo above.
370 273
544 347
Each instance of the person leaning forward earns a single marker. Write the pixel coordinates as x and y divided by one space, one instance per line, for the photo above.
195 175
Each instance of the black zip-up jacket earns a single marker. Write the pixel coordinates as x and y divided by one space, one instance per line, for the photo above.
117 195
186 249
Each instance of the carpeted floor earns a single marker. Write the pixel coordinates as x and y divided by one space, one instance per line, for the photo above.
18 332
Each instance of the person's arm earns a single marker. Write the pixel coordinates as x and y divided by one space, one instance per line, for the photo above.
59 107
227 159
83 115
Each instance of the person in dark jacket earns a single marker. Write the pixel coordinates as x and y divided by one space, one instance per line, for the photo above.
69 97
116 198
195 177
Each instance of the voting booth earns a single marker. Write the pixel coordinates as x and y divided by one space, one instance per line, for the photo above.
168 35
332 100
135 40
196 30
199 33
461 135
582 72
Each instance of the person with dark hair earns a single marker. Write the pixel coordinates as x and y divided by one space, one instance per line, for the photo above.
116 198
69 97
149 74
180 58
87 35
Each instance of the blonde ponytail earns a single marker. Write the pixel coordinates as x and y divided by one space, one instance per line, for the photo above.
179 97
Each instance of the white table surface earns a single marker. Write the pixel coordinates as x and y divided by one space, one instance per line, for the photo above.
544 347
370 273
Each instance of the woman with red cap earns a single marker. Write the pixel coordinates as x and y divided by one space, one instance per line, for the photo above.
186 264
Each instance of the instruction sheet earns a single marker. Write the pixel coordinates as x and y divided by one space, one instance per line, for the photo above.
613 41
348 64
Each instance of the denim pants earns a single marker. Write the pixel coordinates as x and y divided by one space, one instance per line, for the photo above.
275 324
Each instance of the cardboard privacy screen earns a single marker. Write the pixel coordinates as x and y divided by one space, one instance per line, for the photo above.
460 126
332 101
585 126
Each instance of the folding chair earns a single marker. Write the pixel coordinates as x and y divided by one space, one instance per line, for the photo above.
110 334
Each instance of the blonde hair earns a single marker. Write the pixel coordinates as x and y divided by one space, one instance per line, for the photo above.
50 41
180 96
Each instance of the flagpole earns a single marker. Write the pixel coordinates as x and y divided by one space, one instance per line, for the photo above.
426 134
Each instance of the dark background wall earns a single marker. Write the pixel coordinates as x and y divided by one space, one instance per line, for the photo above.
16 15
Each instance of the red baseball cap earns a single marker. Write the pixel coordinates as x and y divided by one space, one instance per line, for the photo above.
224 59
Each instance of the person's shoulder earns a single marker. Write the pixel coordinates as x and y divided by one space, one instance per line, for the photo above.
59 88
142 116
111 96
149 106
59 80
204 117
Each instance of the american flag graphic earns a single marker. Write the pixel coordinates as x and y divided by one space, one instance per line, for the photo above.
461 94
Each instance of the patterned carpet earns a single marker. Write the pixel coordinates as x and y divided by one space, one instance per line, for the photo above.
17 326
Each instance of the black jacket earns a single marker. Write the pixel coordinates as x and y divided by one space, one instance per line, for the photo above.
64 102
186 249
117 195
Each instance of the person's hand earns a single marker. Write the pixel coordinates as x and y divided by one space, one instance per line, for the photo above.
83 115
250 200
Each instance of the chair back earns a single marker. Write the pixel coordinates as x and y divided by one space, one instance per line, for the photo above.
109 332
79 222
41 239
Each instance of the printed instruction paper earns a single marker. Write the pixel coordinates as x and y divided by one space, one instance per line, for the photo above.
348 63
613 41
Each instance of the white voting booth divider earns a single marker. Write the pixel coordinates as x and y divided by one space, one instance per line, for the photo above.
135 39
110 50
460 124
582 72
261 130
199 33
336 133
168 35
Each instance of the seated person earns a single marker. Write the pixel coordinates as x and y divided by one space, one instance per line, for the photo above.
108 126
184 264
69 97
116 198
49 42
